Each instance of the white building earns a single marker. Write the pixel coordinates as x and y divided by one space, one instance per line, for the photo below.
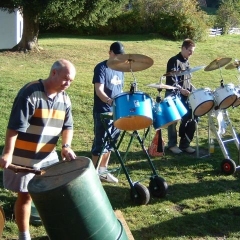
11 26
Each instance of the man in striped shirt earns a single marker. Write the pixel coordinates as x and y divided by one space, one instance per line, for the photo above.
41 113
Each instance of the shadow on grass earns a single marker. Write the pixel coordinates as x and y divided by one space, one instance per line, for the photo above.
122 37
193 226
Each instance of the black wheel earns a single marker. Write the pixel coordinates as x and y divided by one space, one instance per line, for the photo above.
140 194
158 187
228 166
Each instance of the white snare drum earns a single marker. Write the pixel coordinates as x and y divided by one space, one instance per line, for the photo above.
201 101
237 102
225 96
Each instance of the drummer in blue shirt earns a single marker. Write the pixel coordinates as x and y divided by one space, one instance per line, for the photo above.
107 84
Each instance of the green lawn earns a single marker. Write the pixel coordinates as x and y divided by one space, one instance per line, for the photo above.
201 202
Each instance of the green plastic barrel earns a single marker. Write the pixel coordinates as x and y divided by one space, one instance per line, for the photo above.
34 217
72 203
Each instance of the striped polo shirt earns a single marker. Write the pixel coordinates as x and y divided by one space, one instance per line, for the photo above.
39 121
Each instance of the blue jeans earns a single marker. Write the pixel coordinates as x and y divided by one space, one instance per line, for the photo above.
100 134
187 127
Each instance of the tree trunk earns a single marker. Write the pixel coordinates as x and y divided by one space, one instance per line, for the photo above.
30 33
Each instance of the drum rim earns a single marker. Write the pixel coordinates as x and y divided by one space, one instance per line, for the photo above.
129 93
205 112
225 99
222 87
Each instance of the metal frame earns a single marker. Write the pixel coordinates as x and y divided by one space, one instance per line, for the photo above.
212 130
122 160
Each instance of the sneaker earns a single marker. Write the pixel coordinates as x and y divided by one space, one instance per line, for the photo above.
189 150
108 177
175 150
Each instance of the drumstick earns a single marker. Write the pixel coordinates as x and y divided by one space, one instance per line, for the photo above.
17 169
2 221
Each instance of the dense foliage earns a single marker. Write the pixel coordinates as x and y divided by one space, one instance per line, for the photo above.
228 15
71 12
213 3
80 14
172 19
169 18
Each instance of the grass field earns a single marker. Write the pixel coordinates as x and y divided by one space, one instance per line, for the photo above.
201 202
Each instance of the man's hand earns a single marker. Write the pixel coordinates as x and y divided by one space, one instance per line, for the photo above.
184 92
5 160
68 154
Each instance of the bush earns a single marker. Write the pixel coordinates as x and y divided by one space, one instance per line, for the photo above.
176 20
173 19
228 15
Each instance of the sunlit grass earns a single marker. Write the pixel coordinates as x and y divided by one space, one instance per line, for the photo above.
201 203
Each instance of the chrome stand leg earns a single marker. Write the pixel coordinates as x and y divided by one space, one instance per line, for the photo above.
197 143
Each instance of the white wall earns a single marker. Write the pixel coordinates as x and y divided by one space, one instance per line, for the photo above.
11 26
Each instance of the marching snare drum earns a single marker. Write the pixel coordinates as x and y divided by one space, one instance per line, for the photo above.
201 101
225 96
165 113
237 102
132 111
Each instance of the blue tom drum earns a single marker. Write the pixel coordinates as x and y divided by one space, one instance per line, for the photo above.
132 111
179 105
165 113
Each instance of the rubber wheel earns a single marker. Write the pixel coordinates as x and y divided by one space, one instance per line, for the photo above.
158 187
228 166
140 194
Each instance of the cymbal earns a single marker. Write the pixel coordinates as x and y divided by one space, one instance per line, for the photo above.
217 63
235 64
191 70
130 62
174 73
161 86
183 72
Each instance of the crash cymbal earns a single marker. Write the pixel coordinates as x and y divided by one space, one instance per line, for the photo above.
183 72
174 73
217 63
161 86
191 70
235 64
130 62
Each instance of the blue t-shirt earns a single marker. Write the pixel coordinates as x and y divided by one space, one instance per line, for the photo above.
113 84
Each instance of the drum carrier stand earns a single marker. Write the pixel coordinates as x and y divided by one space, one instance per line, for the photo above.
228 166
138 192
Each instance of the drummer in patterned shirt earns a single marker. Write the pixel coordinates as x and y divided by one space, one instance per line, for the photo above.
180 62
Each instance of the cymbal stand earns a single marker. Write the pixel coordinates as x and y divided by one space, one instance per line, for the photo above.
238 77
133 87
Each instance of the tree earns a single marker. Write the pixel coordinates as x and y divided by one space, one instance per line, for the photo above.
228 15
78 13
174 19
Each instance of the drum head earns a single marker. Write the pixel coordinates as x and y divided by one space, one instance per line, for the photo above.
2 221
236 103
227 102
59 174
203 108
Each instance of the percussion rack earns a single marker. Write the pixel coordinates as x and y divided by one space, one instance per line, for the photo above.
139 193
228 166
